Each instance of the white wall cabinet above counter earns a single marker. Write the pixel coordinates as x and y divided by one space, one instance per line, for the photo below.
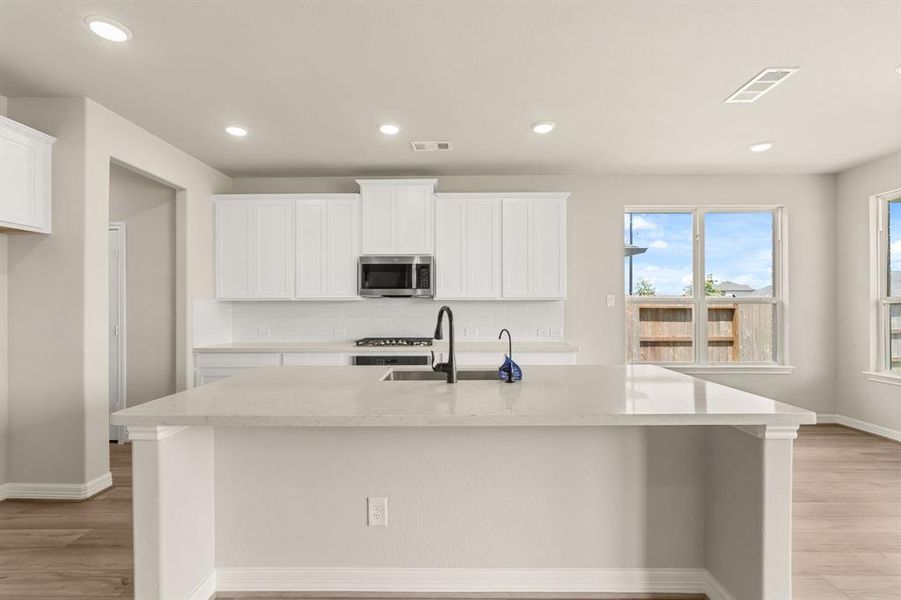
286 246
398 215
468 246
501 246
25 175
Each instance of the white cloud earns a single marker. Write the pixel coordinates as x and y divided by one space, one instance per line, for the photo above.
658 244
639 223
896 248
687 280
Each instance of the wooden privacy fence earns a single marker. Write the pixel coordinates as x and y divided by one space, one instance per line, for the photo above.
736 332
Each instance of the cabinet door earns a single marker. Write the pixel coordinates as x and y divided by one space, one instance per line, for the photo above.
413 208
517 228
310 242
342 247
450 248
18 196
234 249
548 248
379 227
483 248
273 263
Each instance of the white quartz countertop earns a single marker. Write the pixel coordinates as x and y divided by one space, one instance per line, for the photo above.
348 347
572 395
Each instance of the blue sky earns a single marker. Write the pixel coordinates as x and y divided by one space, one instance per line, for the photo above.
894 215
739 248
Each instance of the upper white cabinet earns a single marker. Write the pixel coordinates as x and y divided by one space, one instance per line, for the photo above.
254 247
286 246
25 173
398 215
273 248
534 246
234 249
468 246
327 245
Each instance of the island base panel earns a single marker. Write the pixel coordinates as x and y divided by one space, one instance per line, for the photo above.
518 509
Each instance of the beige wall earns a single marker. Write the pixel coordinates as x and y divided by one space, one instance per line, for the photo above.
58 398
148 210
4 377
858 397
595 241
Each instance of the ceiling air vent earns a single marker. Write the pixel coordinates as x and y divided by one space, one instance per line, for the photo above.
431 146
760 85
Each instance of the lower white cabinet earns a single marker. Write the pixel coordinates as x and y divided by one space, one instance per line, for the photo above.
25 176
312 359
213 366
468 246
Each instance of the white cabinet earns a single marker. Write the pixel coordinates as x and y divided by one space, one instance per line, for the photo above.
234 249
534 246
468 246
327 243
273 248
25 174
254 248
286 246
397 215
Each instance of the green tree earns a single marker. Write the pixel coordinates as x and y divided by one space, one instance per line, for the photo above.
645 288
709 287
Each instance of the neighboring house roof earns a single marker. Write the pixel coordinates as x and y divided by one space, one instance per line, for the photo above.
731 286
764 292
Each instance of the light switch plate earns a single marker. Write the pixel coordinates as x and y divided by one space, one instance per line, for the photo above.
611 300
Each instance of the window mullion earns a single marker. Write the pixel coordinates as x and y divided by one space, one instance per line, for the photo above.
700 301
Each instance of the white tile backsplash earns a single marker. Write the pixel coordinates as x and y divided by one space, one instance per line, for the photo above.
382 317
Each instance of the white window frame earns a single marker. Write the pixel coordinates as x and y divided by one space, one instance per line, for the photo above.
700 303
880 300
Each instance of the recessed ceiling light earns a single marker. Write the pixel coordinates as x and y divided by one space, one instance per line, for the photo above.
108 29
761 146
389 128
236 130
543 127
898 69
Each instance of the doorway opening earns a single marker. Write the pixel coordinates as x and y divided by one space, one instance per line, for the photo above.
142 322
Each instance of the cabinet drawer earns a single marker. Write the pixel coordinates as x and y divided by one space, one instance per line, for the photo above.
236 359
300 359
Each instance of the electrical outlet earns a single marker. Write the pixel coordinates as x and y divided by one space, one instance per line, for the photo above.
611 300
340 333
556 333
544 332
378 511
470 332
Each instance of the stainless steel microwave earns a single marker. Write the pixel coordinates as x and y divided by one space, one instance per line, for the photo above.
396 276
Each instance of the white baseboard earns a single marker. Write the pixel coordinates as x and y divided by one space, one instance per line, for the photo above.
56 491
624 581
892 434
206 588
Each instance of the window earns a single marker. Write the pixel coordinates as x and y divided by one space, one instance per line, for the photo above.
888 282
702 286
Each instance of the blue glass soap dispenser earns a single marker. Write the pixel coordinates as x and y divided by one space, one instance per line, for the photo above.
509 371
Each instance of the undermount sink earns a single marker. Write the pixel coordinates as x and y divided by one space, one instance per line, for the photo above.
421 375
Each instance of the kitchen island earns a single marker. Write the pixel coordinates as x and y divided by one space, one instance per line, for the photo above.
580 478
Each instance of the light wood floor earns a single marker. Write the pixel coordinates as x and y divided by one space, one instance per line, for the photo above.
847 528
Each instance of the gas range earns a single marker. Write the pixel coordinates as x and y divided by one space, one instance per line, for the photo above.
393 342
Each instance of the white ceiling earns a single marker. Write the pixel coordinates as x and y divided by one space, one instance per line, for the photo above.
634 87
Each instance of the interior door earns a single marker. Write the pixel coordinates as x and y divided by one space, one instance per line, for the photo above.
116 327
